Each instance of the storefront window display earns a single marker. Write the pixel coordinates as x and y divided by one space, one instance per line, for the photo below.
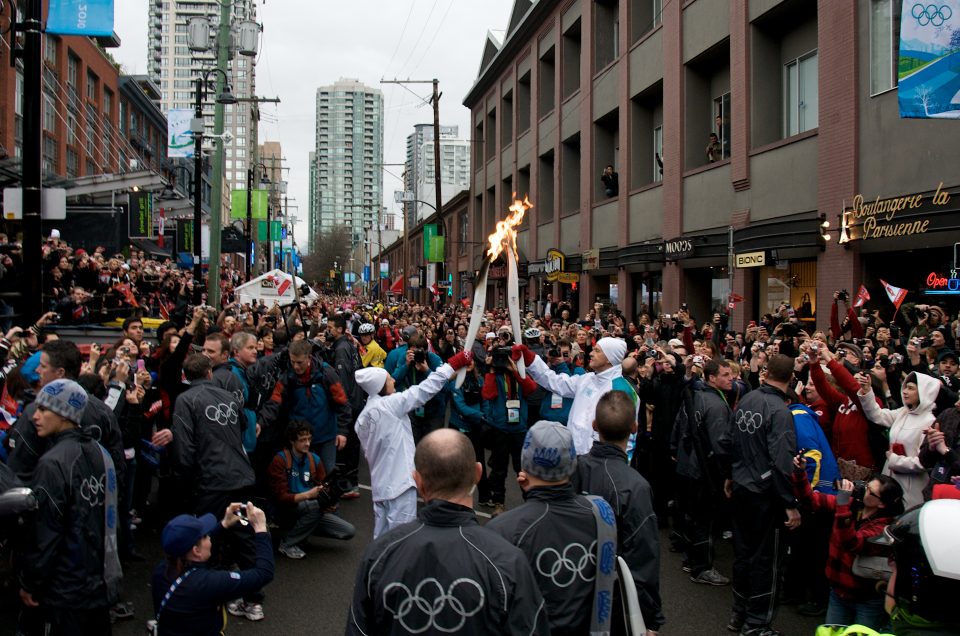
790 282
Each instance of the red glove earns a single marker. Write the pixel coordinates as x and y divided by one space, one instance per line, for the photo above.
461 360
522 350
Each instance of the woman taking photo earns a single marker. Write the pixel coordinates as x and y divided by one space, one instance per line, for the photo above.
189 596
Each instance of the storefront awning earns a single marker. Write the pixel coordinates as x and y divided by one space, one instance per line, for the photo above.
397 286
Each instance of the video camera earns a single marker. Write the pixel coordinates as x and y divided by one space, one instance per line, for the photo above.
501 358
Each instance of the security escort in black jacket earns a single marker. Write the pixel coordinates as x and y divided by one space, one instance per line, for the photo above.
559 533
604 471
61 359
703 446
444 573
70 573
765 443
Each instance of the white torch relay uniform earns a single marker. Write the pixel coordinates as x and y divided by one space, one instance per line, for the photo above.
387 441
586 390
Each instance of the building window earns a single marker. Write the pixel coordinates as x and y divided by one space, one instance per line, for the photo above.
91 87
658 154
49 114
884 36
50 50
800 98
721 123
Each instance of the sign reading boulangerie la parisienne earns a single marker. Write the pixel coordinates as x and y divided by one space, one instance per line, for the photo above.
892 217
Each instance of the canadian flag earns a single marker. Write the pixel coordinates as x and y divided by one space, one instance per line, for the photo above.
895 294
862 297
435 291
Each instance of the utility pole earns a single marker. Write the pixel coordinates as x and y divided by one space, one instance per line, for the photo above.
216 198
435 101
32 175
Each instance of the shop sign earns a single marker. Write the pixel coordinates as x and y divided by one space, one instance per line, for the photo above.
568 277
943 285
536 268
554 264
677 248
878 219
751 259
497 272
591 260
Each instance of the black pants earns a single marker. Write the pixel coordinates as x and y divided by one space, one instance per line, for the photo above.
56 621
423 426
758 549
477 437
697 504
235 545
503 446
348 458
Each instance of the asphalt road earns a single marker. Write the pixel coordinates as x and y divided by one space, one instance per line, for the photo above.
312 596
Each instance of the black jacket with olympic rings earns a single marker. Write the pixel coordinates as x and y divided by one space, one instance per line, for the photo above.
445 573
557 530
207 447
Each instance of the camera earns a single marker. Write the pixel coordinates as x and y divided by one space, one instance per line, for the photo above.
859 490
653 353
843 295
814 348
331 490
242 514
419 357
926 342
54 319
698 361
501 358
790 329
553 353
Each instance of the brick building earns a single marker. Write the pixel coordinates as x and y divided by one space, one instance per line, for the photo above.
801 96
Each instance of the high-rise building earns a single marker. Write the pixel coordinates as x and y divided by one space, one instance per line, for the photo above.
348 188
175 69
418 169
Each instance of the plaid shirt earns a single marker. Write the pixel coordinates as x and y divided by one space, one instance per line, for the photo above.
847 541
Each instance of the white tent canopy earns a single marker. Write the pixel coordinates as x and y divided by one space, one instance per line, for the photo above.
266 286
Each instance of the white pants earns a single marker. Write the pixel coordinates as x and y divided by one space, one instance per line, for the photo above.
390 513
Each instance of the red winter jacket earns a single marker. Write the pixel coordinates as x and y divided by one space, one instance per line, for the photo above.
848 434
852 323
847 540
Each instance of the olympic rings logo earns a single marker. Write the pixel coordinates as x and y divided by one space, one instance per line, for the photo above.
92 488
931 14
222 414
564 569
419 613
749 422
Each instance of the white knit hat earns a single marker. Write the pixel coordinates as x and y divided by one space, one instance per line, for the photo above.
614 349
371 379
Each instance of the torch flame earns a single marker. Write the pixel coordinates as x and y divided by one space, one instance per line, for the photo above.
506 228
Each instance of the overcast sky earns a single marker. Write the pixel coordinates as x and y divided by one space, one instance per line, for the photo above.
312 43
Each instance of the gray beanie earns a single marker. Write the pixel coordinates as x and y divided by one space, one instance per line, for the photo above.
66 398
548 452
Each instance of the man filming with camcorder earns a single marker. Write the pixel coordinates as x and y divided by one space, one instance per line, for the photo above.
505 409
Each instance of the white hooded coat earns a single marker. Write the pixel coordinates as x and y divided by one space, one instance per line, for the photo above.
907 427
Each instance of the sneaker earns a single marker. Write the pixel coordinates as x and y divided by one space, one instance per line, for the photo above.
735 624
498 509
710 577
727 535
353 493
292 552
765 630
236 607
812 608
253 611
489 503
686 567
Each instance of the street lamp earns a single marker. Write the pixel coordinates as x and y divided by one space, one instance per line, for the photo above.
226 97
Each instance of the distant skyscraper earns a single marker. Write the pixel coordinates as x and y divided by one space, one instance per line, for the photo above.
419 175
348 159
175 69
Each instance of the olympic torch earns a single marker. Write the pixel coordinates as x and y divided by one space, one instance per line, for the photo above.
505 238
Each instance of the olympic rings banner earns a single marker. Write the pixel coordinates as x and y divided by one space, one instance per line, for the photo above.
929 81
81 17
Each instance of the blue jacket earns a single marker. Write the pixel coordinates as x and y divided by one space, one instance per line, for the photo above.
249 406
319 399
196 606
464 416
497 389
395 358
822 469
547 412
408 376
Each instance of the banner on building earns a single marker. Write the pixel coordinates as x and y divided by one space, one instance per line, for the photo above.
384 270
140 215
929 63
258 204
81 17
274 231
432 244
179 136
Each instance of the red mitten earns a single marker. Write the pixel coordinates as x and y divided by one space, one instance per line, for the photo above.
461 360
522 350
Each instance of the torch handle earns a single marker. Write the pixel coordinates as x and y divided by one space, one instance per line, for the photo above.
476 314
513 303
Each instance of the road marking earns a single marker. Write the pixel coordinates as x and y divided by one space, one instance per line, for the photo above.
485 515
